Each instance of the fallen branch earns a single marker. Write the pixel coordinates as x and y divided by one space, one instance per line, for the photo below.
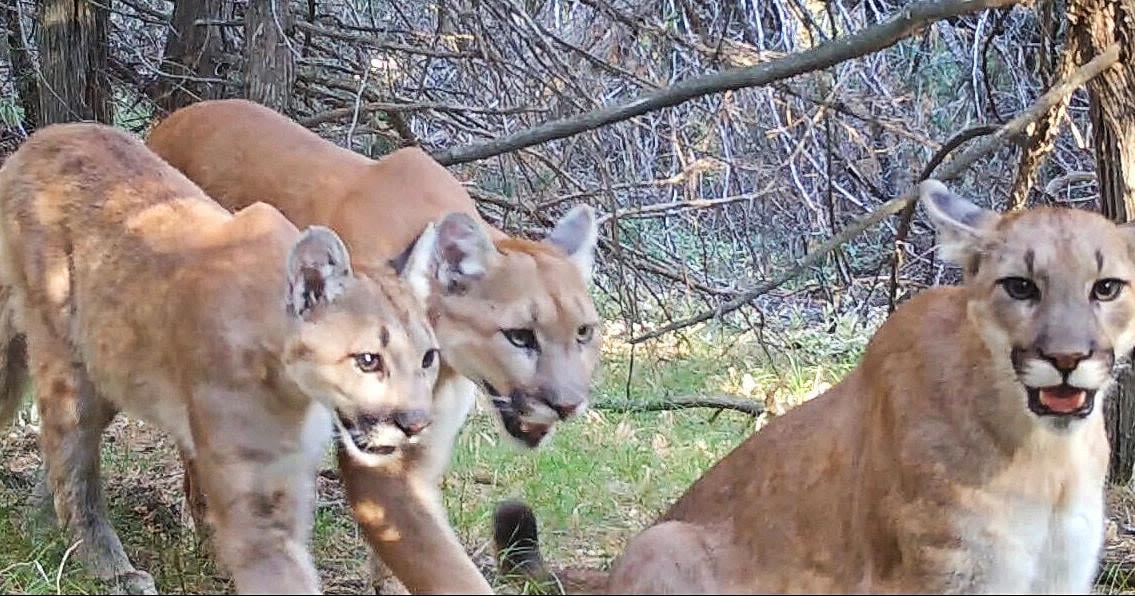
720 402
952 170
872 39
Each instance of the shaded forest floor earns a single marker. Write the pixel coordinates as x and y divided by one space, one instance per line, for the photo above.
599 482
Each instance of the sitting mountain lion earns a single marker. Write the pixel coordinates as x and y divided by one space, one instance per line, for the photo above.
512 316
246 340
965 454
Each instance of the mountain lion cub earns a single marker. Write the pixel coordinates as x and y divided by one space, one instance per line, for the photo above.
244 339
513 316
965 454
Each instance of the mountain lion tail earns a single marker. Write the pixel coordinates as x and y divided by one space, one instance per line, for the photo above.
515 537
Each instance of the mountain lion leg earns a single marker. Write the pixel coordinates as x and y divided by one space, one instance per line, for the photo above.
454 398
260 529
260 492
403 518
193 509
73 417
670 558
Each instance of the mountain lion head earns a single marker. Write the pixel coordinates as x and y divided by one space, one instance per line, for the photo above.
1050 290
516 318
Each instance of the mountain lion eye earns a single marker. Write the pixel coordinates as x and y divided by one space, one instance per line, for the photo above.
584 333
521 338
369 362
1019 288
430 358
1106 290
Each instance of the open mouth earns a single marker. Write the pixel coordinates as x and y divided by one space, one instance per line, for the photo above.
511 412
360 436
499 401
1061 401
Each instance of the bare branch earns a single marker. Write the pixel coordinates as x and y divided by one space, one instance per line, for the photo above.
953 169
379 43
382 106
872 39
908 212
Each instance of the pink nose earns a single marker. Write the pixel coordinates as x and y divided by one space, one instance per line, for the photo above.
412 422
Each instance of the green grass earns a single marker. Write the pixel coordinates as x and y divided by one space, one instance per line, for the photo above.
600 480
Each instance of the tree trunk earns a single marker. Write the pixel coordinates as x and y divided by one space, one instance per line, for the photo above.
1094 25
269 71
72 56
191 54
23 69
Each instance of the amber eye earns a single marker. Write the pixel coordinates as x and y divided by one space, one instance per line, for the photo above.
521 338
1019 288
1106 290
430 358
584 333
369 362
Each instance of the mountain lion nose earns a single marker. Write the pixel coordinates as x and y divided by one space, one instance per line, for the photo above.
412 422
1066 362
565 404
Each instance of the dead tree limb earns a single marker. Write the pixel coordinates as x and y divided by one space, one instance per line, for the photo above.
751 407
872 39
1012 129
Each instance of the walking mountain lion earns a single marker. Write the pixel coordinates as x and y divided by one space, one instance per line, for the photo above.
512 316
965 454
246 340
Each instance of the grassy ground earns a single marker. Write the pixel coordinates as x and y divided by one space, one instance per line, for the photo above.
599 481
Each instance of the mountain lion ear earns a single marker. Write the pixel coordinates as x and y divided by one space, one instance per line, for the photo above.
417 265
576 234
463 250
1127 230
318 267
961 225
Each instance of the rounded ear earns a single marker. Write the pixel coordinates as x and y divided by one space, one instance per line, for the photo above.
318 267
417 265
961 225
464 251
576 234
1127 230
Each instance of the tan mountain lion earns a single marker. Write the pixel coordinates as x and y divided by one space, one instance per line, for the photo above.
965 454
245 340
512 316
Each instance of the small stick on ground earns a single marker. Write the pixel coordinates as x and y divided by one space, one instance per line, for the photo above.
720 402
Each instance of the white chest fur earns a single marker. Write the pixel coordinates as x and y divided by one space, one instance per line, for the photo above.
1043 529
301 454
453 400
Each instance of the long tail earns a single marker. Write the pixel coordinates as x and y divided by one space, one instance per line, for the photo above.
13 360
515 535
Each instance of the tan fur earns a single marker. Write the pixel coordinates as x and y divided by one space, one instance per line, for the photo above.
235 334
924 470
240 152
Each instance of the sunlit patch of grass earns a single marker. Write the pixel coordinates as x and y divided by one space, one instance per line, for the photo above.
604 477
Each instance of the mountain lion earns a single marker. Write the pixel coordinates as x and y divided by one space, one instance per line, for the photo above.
513 316
965 454
244 339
